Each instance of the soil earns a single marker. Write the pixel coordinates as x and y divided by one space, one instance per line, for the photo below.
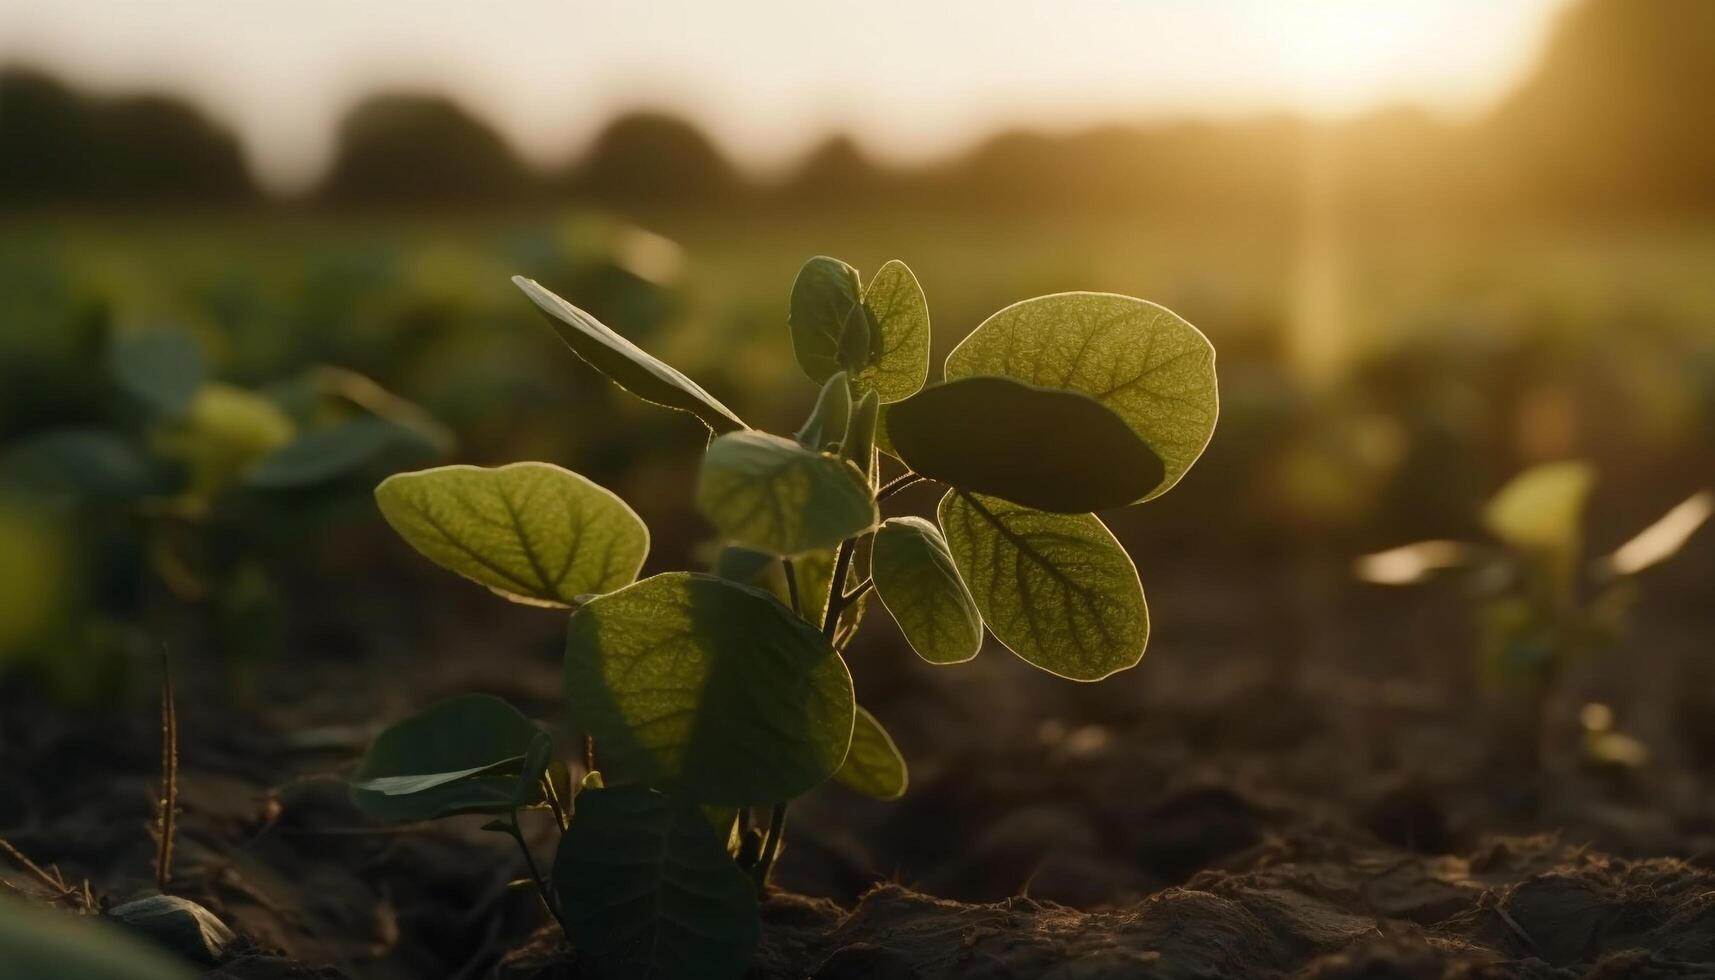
1297 782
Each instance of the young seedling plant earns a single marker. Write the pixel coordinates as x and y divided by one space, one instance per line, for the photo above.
707 702
1541 604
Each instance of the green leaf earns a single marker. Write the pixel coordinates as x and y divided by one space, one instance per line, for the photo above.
774 495
900 348
1046 448
468 754
532 532
1056 589
1155 371
874 766
38 943
84 463
919 584
325 454
1543 507
709 689
878 333
164 366
649 891
626 364
823 296
827 423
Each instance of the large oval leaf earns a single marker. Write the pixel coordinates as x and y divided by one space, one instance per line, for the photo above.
917 581
709 689
1046 448
774 495
533 532
899 341
38 943
649 891
626 364
1155 371
874 766
824 296
469 754
1057 589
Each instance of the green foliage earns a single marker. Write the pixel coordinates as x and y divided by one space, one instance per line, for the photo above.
879 334
1155 371
707 697
162 366
874 766
625 363
918 582
649 890
41 943
774 495
971 434
1543 508
320 456
1057 589
708 688
468 754
532 532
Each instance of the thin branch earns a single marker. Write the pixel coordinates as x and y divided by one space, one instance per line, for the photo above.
857 591
552 795
792 586
535 874
836 588
168 805
57 883
770 845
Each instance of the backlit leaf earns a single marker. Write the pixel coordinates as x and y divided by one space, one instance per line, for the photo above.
874 766
533 532
823 296
919 584
1056 589
469 754
1047 448
649 890
879 333
1543 507
626 364
709 689
899 317
1155 371
774 495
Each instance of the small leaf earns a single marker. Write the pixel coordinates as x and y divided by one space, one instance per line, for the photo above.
709 689
649 890
1046 448
919 584
1543 507
855 336
532 532
626 364
323 455
468 754
164 366
900 348
774 495
1155 371
39 943
823 296
1663 539
827 423
874 766
1056 589
84 463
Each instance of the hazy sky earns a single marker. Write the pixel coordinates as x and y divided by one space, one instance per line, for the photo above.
911 78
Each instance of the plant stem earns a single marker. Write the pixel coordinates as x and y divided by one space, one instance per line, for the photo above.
857 593
169 801
770 844
589 753
792 586
536 875
552 795
837 588
897 484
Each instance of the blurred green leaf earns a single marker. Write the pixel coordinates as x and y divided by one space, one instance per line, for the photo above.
467 754
625 363
226 431
649 891
336 451
1543 507
827 423
919 584
774 495
82 463
1662 539
709 689
874 766
38 944
164 366
1155 371
1056 589
1046 448
532 532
